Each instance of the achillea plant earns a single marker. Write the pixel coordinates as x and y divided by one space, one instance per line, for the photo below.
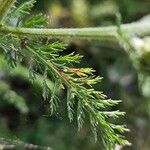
23 37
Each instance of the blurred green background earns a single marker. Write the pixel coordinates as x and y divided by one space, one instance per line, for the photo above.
24 115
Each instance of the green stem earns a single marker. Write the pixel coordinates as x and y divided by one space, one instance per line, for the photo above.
4 8
100 33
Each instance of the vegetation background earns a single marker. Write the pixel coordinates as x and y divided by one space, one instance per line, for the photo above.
23 112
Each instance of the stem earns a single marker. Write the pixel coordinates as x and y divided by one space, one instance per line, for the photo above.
141 28
16 144
4 8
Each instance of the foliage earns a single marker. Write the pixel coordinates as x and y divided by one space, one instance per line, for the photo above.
46 57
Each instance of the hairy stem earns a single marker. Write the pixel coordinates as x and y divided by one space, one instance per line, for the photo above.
141 28
4 8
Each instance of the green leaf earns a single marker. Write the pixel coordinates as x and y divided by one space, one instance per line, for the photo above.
37 21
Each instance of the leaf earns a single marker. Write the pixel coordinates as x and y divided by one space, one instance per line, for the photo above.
46 89
23 9
54 100
80 114
70 103
47 57
32 73
37 21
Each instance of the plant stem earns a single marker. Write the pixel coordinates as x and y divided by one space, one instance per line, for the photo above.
17 144
99 33
4 8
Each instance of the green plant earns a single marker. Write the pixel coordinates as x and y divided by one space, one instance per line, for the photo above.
24 38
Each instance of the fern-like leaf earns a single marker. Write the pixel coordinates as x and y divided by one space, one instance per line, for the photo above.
48 59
